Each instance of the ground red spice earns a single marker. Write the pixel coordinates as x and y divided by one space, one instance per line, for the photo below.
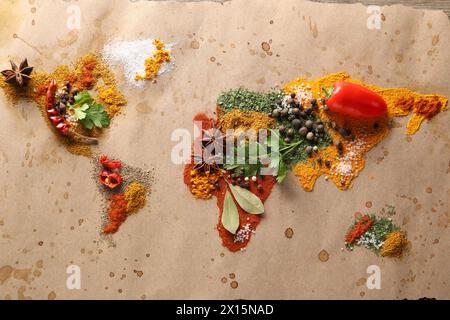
41 90
87 74
267 183
405 103
117 213
72 78
364 224
428 107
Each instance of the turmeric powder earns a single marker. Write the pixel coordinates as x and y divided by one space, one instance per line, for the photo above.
203 184
393 245
135 196
153 64
241 121
112 98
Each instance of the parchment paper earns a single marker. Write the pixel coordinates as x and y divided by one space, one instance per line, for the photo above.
50 207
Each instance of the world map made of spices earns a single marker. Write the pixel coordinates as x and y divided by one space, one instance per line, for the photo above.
315 139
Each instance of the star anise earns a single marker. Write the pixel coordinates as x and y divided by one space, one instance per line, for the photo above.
18 75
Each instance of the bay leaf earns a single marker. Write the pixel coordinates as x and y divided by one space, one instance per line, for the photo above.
249 202
230 215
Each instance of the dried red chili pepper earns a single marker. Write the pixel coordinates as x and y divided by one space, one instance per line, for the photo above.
355 101
110 164
110 179
59 121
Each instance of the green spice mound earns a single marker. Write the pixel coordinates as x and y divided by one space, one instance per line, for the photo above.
247 100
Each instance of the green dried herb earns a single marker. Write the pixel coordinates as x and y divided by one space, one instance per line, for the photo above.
247 100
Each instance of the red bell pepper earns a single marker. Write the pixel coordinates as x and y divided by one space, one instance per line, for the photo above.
110 164
355 101
110 179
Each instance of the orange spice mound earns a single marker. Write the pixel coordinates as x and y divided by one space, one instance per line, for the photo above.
117 213
153 64
367 134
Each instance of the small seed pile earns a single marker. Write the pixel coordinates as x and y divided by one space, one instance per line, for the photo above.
297 115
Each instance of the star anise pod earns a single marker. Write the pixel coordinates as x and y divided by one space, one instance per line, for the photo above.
18 75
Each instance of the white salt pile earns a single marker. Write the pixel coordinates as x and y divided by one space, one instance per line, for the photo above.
132 55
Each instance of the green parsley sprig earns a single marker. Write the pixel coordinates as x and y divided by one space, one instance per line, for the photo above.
89 112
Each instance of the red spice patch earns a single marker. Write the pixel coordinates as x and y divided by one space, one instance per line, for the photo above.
87 74
117 213
364 224
428 107
267 183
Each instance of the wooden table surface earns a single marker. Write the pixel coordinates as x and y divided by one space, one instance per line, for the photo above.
420 4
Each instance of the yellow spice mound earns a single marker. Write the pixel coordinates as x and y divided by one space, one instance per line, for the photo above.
153 64
242 121
203 184
136 197
393 245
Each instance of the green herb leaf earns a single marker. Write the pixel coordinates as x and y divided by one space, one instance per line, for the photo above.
88 112
230 215
247 159
83 97
328 91
87 123
80 113
283 171
249 202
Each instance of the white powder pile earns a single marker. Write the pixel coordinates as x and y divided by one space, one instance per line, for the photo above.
344 167
132 55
